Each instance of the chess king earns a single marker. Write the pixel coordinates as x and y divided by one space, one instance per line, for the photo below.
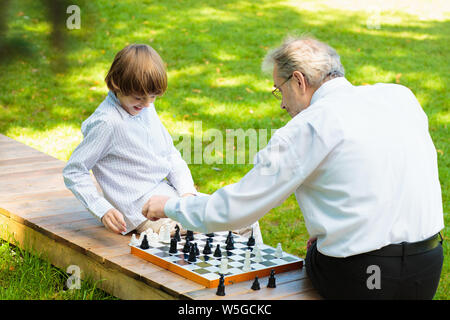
363 167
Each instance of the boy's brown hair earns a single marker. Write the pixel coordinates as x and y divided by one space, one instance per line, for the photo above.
137 70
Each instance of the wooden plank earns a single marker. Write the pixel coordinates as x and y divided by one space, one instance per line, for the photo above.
35 205
243 288
16 152
110 279
37 172
94 237
60 218
31 166
4 138
49 182
42 157
35 195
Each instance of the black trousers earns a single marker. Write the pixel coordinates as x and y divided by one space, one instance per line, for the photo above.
366 276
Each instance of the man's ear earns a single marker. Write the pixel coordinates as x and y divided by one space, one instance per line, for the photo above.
300 79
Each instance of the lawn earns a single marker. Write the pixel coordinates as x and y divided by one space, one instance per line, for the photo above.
213 50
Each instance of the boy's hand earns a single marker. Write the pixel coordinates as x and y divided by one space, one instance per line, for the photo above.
154 208
113 221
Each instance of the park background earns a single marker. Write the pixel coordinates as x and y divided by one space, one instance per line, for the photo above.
52 78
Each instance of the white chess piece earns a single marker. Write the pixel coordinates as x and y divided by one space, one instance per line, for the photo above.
223 266
134 241
246 266
164 234
257 253
152 237
141 237
279 251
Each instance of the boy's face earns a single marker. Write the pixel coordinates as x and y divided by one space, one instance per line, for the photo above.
135 104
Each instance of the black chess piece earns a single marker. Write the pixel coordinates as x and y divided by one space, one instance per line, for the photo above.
173 245
229 237
210 235
221 287
217 252
255 285
207 248
230 245
251 240
177 233
144 244
187 247
192 256
190 235
272 280
197 252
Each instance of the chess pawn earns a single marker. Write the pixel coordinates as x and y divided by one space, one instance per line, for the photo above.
223 266
134 241
190 235
272 280
230 244
251 241
144 244
221 286
279 251
217 252
166 234
173 245
187 247
192 256
246 266
257 253
255 285
197 251
207 248
229 237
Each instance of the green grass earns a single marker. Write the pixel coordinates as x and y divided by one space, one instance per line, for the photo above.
214 51
28 276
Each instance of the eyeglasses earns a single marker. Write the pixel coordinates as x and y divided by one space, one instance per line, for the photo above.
276 92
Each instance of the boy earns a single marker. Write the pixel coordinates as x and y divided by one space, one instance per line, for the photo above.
130 152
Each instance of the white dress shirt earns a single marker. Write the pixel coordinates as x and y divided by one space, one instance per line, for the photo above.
361 163
130 157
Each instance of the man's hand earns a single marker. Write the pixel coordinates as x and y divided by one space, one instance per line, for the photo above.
310 242
113 221
187 195
154 208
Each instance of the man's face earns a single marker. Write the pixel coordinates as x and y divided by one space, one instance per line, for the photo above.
135 104
295 97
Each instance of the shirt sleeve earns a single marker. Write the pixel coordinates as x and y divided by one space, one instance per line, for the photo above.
95 145
179 176
279 170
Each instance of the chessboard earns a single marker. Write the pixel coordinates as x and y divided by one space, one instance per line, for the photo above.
206 269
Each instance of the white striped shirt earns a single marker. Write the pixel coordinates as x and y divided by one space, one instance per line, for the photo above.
130 156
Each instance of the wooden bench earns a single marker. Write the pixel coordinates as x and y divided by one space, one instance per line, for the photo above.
41 215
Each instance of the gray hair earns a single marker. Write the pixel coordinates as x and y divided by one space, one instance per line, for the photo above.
316 60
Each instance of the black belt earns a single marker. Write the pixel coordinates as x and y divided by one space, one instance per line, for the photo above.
407 248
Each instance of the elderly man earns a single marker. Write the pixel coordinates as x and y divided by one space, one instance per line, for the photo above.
363 167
